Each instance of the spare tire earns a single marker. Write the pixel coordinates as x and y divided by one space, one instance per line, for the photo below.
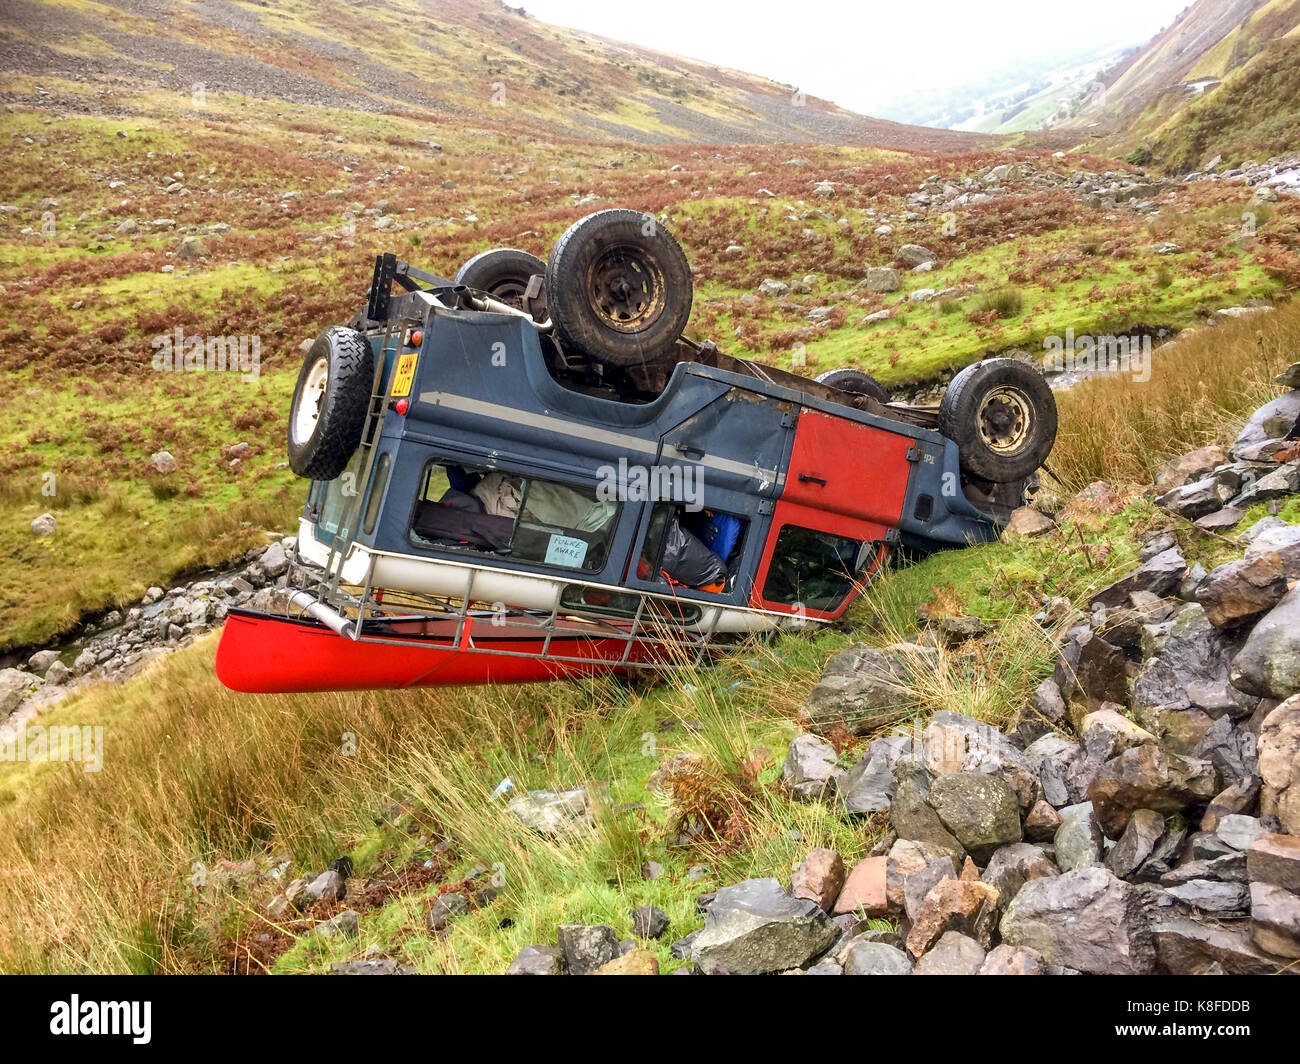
855 382
330 402
619 288
1002 416
502 273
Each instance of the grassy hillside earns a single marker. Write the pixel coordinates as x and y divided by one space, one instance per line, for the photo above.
204 794
290 203
1251 116
1219 80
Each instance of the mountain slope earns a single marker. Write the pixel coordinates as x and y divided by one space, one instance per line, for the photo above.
1185 67
453 58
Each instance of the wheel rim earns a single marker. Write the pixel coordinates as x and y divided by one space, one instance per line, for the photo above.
310 400
510 290
1005 419
626 288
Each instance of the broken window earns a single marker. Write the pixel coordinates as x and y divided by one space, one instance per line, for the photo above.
692 548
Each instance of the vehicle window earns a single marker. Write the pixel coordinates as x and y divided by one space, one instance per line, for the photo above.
699 549
339 494
377 485
814 569
488 511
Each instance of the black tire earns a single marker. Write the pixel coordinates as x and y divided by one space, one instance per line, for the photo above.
855 382
1002 416
619 288
502 273
321 442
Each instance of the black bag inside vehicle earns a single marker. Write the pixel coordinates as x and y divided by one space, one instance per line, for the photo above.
687 560
442 523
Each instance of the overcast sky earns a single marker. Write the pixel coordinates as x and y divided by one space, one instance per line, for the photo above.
865 55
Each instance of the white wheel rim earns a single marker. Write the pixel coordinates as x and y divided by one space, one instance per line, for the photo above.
310 401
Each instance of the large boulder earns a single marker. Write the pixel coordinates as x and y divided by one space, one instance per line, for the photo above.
912 816
1086 920
915 254
981 811
1149 777
1274 421
1237 591
1269 661
882 279
865 688
13 689
1194 669
754 927
1279 764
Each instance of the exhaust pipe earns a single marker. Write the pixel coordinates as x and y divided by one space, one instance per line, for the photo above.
318 611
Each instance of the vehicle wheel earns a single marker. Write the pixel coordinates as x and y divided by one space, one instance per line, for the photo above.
502 273
330 401
619 288
855 382
1002 416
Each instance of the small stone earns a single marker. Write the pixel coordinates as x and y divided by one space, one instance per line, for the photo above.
649 921
347 923
876 958
1042 822
587 947
635 962
538 960
1013 960
444 909
44 525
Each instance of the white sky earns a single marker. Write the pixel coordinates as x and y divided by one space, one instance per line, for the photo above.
865 55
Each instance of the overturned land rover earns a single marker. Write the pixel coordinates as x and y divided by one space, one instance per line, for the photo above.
528 472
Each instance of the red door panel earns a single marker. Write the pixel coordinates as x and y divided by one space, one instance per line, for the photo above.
847 468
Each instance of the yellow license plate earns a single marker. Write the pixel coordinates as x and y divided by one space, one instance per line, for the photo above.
405 375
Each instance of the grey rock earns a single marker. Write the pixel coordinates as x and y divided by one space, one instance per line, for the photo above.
912 817
1013 960
754 927
1084 919
1238 831
586 947
1275 420
445 908
1282 540
810 768
1268 663
552 813
1053 758
347 923
1144 830
538 960
916 885
882 279
1275 919
863 688
981 811
1160 576
373 966
1213 897
328 885
868 786
1186 946
649 921
875 958
1149 777
1011 867
1078 841
1194 669
915 254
